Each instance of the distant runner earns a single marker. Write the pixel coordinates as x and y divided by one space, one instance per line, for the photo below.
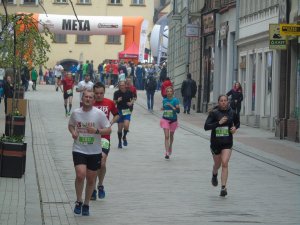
124 100
68 85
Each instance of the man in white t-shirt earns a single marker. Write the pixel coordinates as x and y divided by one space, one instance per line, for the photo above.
86 126
83 85
58 70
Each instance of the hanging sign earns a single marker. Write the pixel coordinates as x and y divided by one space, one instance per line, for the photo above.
277 41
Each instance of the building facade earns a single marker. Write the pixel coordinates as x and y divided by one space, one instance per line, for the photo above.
74 48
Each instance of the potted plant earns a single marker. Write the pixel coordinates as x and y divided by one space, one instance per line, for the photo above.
13 156
15 124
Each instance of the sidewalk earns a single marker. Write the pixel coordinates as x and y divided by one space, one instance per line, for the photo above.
257 143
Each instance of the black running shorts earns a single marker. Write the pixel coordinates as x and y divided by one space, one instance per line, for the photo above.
66 95
92 162
217 149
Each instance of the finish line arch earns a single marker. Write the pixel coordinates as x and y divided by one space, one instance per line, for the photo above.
133 28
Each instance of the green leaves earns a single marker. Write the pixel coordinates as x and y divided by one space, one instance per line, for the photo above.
31 45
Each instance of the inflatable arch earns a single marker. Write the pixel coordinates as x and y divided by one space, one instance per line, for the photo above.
134 28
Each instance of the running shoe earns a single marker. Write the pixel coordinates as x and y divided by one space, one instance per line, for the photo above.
85 210
69 114
167 156
223 192
120 145
94 195
125 143
214 180
101 192
78 206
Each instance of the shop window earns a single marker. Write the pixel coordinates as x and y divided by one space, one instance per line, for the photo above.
268 83
253 80
113 39
9 2
60 38
83 39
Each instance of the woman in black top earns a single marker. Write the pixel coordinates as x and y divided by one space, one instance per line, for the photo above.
8 90
236 94
223 123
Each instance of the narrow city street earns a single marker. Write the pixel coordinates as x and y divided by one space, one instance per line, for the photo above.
141 186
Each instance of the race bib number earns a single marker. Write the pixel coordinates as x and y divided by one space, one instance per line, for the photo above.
70 91
86 140
104 143
168 114
222 132
126 112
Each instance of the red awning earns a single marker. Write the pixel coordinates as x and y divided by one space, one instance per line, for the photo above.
132 52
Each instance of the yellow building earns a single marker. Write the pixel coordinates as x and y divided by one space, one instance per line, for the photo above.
70 48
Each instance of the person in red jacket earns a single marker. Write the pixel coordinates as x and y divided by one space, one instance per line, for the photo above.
166 83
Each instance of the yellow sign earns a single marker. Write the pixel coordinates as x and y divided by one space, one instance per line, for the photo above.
290 29
277 41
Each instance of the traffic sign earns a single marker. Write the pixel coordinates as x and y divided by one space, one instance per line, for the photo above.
277 41
290 29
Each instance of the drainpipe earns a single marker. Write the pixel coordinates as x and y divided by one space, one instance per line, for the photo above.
235 48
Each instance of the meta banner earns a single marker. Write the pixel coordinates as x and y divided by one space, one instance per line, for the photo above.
84 25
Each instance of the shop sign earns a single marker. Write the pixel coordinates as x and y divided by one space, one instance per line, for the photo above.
208 23
192 30
290 29
223 30
277 41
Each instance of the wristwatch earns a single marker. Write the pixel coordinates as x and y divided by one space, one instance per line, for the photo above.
97 131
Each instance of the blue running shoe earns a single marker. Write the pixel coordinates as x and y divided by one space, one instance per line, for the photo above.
120 145
94 195
101 192
85 210
78 206
125 143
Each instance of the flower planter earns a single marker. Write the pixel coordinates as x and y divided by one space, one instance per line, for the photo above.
17 123
19 93
13 160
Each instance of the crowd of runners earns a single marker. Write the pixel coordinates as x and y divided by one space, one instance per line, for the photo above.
90 127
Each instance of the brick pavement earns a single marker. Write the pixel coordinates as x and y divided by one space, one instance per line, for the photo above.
143 188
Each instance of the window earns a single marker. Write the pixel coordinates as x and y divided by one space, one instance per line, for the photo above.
60 1
113 39
114 1
84 1
268 82
29 2
83 39
138 2
9 1
60 38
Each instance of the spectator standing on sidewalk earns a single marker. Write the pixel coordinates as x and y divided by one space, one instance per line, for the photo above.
223 123
188 91
8 89
163 73
86 126
124 99
170 107
236 94
41 75
34 76
84 85
166 83
150 87
108 107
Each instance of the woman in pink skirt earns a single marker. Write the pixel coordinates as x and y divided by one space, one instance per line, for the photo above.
169 119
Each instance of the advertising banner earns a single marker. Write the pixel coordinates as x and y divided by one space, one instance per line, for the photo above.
143 39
